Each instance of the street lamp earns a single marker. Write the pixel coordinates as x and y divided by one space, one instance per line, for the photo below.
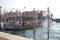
0 16
24 13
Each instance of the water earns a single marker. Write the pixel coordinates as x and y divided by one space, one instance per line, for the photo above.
41 32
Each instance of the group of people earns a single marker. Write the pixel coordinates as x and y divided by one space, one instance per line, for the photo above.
29 24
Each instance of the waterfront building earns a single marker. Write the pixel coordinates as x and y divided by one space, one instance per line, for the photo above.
41 14
11 17
29 15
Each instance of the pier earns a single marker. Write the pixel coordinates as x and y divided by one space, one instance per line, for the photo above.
6 36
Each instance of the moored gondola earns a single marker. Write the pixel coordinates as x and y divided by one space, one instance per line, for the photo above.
15 28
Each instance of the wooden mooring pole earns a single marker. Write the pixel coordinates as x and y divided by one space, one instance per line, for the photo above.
41 22
48 24
34 31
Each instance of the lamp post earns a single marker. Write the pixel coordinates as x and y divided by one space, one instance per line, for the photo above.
24 13
0 16
23 22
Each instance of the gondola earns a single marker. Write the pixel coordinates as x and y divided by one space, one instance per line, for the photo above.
15 28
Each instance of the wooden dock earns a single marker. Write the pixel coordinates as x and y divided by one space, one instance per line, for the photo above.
6 36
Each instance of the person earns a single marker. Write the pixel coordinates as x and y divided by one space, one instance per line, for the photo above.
2 26
28 23
33 24
23 23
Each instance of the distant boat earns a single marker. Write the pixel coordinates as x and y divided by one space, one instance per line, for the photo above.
53 19
56 20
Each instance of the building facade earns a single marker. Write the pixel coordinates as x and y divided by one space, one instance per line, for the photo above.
11 17
29 15
41 14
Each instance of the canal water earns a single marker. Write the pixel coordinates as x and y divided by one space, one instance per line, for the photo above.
41 32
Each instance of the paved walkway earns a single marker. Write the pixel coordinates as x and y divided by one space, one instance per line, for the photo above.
6 36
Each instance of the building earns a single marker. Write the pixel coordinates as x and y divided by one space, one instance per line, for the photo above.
11 17
41 14
29 15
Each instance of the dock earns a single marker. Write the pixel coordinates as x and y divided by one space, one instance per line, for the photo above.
6 36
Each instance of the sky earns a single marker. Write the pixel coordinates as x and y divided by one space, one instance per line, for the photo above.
54 6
